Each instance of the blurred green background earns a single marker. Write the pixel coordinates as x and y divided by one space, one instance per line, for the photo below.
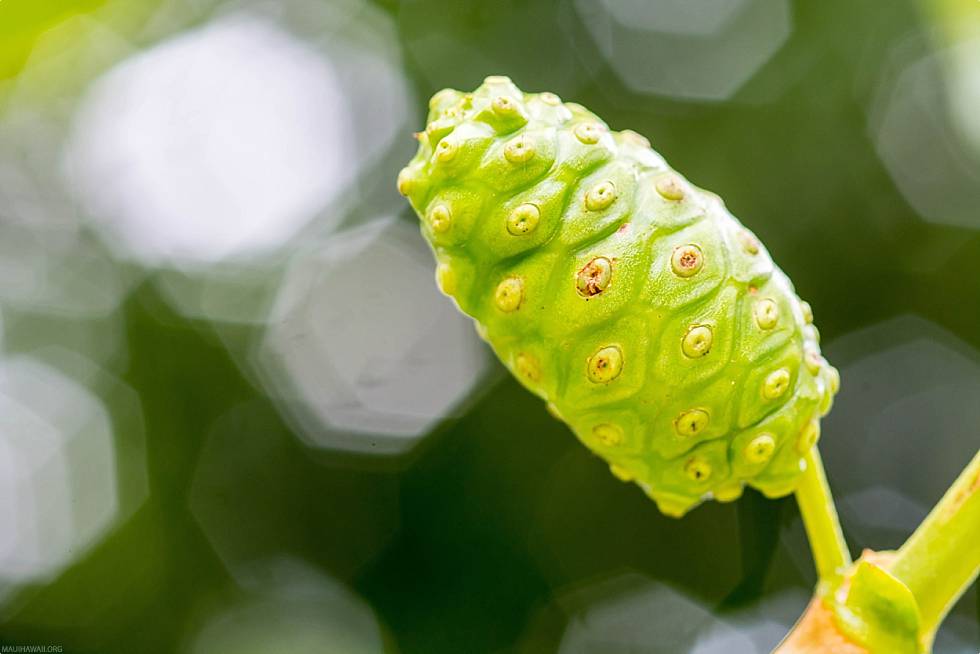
236 416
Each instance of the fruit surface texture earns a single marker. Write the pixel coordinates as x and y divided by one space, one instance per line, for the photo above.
647 316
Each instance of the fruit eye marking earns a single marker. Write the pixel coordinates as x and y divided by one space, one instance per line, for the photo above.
687 260
807 312
440 218
446 151
634 138
776 384
749 243
509 294
588 133
600 196
527 367
833 380
606 364
608 435
523 219
813 360
808 437
760 448
446 279
519 150
697 470
406 182
503 106
697 341
594 277
691 423
670 188
766 313
620 472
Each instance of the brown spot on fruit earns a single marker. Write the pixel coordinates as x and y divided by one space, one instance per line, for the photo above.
760 449
605 365
687 260
691 423
697 470
523 219
594 277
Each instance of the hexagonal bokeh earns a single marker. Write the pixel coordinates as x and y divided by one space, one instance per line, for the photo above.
48 263
702 50
291 608
921 138
226 163
57 284
632 613
235 135
362 350
231 138
358 41
230 293
907 414
58 478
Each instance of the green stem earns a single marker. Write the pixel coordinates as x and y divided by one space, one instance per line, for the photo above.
940 560
830 554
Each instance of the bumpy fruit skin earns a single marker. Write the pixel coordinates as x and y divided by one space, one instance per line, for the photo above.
633 302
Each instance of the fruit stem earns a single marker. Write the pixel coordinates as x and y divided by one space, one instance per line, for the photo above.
830 553
941 558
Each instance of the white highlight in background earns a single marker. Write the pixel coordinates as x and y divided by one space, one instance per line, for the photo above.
361 342
222 142
58 488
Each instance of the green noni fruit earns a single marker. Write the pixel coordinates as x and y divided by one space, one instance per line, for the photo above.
647 317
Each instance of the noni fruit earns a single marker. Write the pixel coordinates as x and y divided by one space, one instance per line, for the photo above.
647 317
